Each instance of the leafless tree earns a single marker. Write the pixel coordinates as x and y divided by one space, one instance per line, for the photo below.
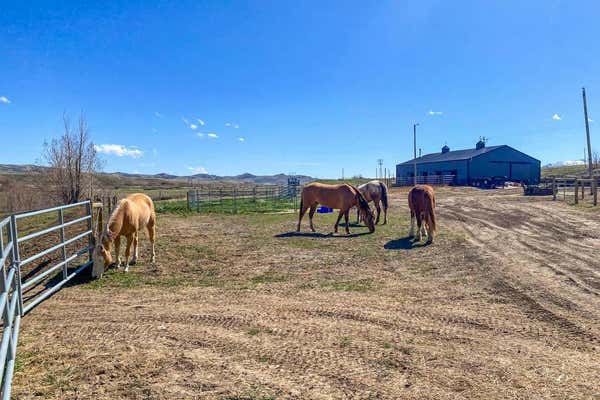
72 161
595 160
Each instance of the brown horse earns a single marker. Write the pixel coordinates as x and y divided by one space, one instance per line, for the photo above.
421 201
342 197
376 192
133 213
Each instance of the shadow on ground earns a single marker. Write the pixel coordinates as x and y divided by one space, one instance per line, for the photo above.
405 243
319 235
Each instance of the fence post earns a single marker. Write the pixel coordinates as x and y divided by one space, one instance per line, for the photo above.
595 189
14 234
576 187
554 189
197 201
187 197
61 221
582 190
235 201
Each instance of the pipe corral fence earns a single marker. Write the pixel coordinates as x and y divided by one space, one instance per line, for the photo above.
35 263
425 180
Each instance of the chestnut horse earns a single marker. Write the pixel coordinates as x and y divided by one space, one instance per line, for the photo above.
421 201
133 213
342 197
376 192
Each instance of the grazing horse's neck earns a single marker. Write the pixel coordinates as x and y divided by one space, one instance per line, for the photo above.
115 222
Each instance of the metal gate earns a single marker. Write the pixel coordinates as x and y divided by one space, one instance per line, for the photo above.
13 303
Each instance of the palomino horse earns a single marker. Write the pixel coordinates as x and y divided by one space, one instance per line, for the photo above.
342 197
133 213
376 192
421 201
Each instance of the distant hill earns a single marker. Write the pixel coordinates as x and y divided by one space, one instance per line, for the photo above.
278 179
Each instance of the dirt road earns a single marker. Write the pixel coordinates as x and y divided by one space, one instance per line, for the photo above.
505 304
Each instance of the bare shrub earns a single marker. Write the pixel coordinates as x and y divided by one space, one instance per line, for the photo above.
72 161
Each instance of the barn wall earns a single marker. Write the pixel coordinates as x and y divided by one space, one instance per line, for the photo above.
445 167
508 162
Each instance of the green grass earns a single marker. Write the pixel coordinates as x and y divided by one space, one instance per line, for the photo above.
345 341
268 277
135 279
565 170
228 206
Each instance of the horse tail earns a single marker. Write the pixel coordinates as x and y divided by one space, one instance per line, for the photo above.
301 204
384 195
430 210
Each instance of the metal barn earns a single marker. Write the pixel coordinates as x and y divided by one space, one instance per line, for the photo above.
471 166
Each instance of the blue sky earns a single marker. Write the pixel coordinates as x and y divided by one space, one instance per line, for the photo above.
311 86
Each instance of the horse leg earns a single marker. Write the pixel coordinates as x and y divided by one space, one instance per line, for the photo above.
384 214
151 235
303 209
311 213
335 227
135 249
412 224
429 230
118 250
378 208
128 251
423 223
346 216
357 215
419 225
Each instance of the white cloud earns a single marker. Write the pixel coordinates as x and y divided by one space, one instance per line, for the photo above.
236 126
241 139
431 112
227 123
231 125
590 120
556 117
212 135
200 134
200 121
157 114
193 126
119 150
4 100
198 170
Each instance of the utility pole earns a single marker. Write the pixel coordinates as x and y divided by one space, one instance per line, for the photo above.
587 132
419 152
415 153
342 173
380 163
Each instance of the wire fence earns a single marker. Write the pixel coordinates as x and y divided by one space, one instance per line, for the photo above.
233 201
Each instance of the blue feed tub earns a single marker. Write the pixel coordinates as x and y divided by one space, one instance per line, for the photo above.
323 210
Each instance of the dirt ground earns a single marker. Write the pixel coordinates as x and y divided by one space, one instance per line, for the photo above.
505 304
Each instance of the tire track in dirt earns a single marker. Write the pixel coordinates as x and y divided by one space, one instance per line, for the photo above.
532 242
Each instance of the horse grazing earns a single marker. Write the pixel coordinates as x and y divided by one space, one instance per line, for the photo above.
133 213
342 197
421 201
376 192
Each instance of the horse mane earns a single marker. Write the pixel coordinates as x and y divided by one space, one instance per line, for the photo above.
362 202
114 223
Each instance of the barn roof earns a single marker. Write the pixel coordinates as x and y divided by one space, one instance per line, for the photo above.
455 155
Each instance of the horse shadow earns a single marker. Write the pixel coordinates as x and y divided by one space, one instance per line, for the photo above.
405 243
319 235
